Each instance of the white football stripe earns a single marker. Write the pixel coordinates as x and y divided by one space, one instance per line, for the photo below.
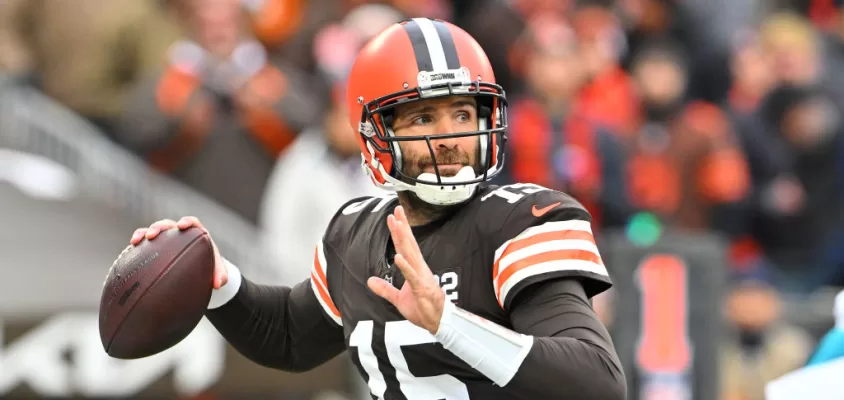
547 267
435 46
325 306
571 225
320 262
321 256
544 247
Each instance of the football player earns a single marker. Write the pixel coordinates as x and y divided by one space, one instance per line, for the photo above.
451 288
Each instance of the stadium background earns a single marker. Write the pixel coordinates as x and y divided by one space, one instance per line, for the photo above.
704 135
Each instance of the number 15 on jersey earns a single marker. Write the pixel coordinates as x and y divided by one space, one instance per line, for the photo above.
396 335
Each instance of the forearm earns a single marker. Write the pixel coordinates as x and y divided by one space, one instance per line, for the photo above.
572 355
563 351
567 368
275 326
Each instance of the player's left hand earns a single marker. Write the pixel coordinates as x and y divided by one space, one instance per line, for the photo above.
420 299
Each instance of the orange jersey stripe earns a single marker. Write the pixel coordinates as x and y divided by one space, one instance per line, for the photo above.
557 255
325 297
318 268
540 238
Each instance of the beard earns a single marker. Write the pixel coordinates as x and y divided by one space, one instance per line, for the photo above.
415 164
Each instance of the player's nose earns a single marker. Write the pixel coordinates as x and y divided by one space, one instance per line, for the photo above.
445 126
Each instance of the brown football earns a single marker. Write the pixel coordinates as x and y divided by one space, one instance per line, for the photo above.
156 293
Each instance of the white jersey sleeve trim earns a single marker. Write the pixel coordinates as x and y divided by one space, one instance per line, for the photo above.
544 249
319 284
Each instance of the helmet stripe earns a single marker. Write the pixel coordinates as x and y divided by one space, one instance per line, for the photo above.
420 46
433 45
432 40
449 49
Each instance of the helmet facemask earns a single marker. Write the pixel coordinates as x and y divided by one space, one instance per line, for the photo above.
435 188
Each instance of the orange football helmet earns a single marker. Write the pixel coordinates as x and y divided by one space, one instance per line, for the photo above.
415 60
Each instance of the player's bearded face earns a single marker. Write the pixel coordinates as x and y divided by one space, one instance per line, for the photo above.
437 117
449 159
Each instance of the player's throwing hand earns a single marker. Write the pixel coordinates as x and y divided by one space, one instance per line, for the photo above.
220 273
420 299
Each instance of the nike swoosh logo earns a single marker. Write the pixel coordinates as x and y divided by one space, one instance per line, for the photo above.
538 212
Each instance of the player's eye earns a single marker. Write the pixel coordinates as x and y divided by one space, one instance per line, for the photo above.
423 119
464 117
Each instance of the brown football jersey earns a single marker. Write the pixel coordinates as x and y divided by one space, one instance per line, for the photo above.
484 254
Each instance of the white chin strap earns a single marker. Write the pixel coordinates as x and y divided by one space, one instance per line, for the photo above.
432 192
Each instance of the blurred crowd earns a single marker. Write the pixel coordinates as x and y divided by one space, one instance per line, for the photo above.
710 116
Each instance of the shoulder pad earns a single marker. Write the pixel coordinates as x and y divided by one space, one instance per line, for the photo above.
513 208
539 234
354 215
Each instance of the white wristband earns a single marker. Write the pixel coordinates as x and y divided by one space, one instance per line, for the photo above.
223 295
493 350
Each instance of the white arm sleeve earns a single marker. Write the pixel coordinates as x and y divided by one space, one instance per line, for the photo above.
492 349
223 295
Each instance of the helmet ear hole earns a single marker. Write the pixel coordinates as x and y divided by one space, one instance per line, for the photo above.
388 120
484 111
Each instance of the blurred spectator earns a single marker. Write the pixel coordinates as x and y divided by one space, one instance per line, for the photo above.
752 73
833 49
323 166
551 142
726 18
792 43
823 13
439 9
497 27
219 114
288 27
686 165
275 21
86 53
759 346
800 56
753 79
535 8
799 223
649 20
831 346
609 96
